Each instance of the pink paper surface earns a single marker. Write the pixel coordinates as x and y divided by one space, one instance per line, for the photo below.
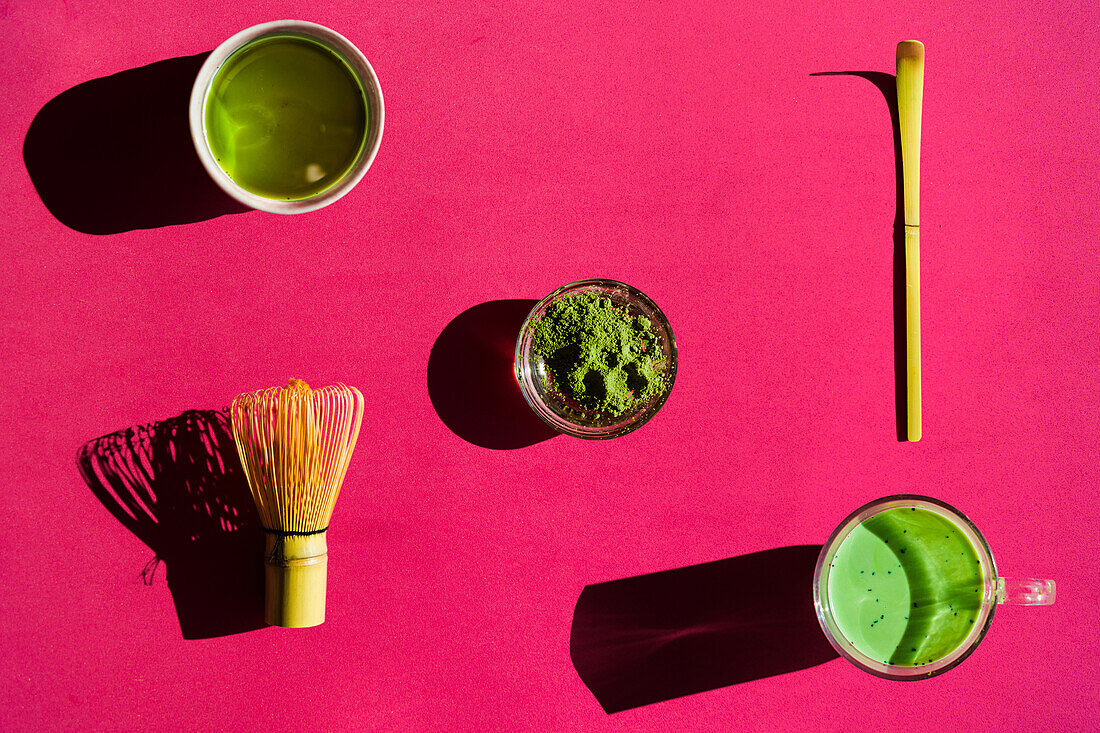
684 149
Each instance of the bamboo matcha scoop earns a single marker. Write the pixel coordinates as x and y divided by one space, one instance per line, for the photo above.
910 96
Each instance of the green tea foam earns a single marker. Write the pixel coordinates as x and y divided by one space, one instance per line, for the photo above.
286 117
906 587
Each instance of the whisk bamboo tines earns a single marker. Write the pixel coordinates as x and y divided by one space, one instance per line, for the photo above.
295 445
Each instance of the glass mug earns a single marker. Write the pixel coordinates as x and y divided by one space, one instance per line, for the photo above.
905 588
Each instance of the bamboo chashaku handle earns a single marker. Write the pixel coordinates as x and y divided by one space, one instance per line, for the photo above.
910 97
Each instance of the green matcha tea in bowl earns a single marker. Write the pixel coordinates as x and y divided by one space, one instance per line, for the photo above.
286 116
906 587
595 359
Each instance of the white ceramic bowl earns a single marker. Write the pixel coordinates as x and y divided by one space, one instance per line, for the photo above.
335 42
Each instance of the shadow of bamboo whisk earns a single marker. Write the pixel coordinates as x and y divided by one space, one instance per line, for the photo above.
178 485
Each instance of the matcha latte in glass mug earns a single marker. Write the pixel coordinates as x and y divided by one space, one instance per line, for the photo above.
286 116
906 587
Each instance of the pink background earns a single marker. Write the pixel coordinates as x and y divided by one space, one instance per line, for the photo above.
684 149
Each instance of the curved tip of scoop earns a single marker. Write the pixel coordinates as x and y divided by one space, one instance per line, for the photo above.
911 50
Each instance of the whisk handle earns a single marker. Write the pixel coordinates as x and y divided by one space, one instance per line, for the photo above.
296 574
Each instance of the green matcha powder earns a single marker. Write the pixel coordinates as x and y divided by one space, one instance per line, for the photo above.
599 355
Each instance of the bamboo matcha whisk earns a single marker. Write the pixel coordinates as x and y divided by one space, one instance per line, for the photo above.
295 444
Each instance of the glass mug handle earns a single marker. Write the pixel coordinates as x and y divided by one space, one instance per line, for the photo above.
1025 592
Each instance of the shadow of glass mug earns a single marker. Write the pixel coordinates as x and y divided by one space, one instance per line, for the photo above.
906 588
